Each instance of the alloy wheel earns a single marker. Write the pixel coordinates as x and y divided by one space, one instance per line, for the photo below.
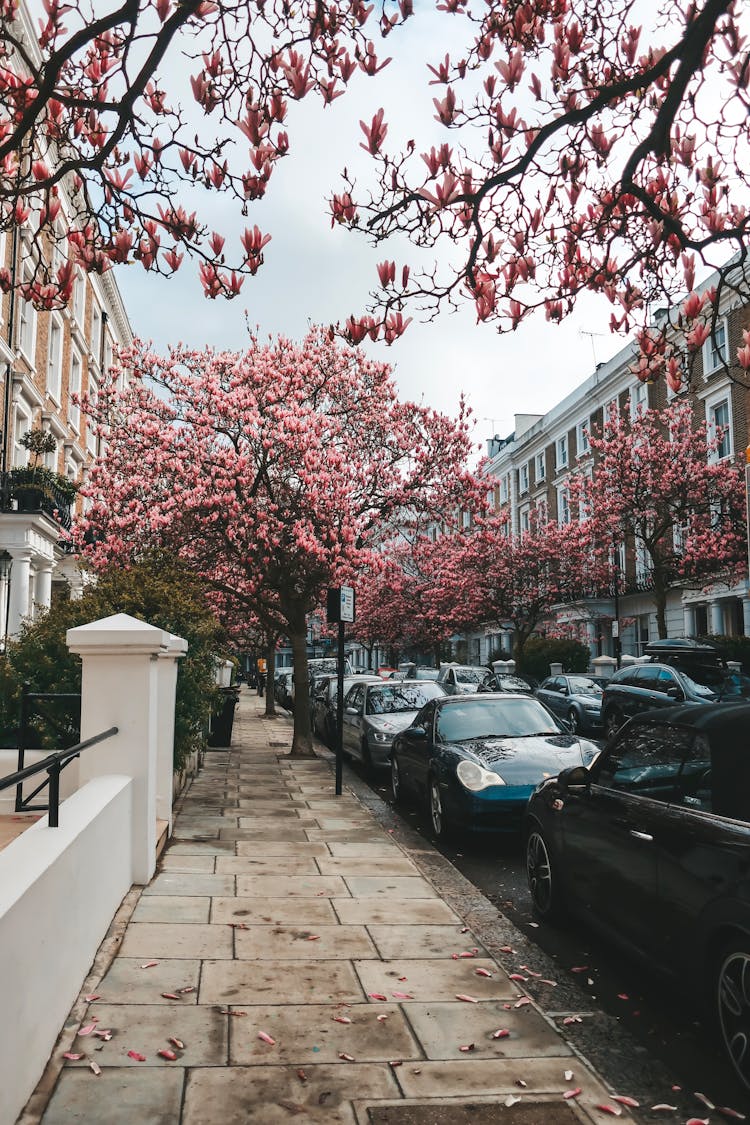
539 874
574 721
395 779
733 1000
437 818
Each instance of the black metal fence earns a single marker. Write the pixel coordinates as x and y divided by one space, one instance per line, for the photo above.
47 721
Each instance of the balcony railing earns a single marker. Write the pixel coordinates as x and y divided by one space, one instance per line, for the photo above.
36 490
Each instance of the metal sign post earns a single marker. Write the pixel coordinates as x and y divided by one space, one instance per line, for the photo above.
341 610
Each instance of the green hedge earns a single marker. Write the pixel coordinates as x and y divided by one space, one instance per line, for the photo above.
732 648
539 652
157 590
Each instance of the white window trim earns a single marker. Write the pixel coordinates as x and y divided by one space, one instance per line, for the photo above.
562 491
27 315
562 441
540 461
55 393
709 366
641 402
714 400
523 479
74 412
582 438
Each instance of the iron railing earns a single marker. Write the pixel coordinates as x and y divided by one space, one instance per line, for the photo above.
54 721
21 491
53 765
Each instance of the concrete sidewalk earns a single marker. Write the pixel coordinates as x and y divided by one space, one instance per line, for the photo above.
292 961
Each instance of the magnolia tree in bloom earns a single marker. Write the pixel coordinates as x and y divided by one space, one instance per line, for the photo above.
582 145
660 485
272 472
516 580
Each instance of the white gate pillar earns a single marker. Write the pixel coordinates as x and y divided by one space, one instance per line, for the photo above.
167 674
120 688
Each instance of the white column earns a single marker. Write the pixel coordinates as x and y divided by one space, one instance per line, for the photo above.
688 619
746 614
120 688
717 618
43 585
167 673
20 581
592 628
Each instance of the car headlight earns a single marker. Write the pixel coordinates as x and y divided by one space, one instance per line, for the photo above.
475 777
378 736
592 706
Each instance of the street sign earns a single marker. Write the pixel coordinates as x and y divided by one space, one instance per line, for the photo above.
340 605
615 629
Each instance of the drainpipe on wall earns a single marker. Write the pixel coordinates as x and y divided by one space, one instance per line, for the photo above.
9 366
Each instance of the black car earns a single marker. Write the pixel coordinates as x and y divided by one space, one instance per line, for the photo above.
642 687
475 759
574 697
508 681
651 845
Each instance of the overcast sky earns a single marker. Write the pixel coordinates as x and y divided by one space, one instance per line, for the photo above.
313 274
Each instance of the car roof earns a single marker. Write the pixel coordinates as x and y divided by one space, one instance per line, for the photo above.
707 718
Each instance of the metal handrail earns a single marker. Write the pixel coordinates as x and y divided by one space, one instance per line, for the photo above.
54 764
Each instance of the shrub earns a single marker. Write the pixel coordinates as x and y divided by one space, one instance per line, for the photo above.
732 648
158 590
540 652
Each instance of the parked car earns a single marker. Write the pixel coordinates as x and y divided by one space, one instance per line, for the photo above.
476 759
324 704
507 681
461 679
576 698
282 689
642 687
374 713
415 672
651 844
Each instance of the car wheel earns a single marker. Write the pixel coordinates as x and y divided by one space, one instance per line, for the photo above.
732 1003
396 786
574 720
541 875
437 813
612 723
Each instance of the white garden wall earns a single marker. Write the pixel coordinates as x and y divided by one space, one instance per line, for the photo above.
59 890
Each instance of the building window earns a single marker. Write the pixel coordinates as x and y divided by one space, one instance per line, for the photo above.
720 426
541 467
638 399
715 349
22 425
95 343
523 479
541 512
562 452
74 410
582 438
27 329
524 520
504 490
54 358
563 505
79 299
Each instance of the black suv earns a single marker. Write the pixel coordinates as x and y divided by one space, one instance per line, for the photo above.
679 671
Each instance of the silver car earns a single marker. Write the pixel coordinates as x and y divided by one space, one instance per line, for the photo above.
577 698
374 713
461 679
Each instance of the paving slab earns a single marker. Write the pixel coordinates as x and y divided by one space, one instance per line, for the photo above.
259 847
183 939
146 1029
397 941
380 849
274 1095
201 847
369 865
296 886
171 908
436 979
443 1028
309 1034
174 883
273 911
479 1111
279 831
300 943
275 822
390 886
187 864
258 982
266 865
425 911
365 835
127 982
342 823
155 1099
498 1076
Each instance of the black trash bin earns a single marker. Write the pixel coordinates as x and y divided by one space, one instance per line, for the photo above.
222 720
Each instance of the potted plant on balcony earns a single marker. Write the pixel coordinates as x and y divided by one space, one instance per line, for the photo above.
35 487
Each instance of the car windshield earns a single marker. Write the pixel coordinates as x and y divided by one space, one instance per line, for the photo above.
400 697
582 685
479 717
470 675
717 683
510 683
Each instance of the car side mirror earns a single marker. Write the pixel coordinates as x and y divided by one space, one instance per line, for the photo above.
352 711
676 693
416 733
575 779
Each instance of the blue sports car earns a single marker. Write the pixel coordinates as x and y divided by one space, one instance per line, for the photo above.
476 759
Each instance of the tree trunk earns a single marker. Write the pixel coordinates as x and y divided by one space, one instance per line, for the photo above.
302 746
660 602
270 674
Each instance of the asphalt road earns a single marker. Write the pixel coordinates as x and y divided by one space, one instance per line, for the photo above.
672 1053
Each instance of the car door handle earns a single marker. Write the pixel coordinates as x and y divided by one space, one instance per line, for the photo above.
642 836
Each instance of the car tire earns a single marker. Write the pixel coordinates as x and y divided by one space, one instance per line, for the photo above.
731 1003
542 876
575 721
397 789
438 823
613 720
